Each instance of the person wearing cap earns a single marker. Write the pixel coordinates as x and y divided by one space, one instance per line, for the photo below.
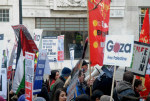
85 66
66 72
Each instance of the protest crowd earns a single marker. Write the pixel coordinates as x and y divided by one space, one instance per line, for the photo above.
56 89
26 81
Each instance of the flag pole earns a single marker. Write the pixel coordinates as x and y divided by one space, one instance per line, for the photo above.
8 90
89 44
112 87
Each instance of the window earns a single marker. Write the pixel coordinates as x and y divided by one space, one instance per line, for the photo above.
141 17
4 15
73 29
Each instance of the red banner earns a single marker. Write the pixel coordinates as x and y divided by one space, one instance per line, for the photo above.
144 37
98 29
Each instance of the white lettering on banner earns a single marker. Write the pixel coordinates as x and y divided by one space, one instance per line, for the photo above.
116 58
38 78
41 65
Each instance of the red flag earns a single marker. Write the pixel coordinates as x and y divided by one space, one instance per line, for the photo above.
144 37
98 28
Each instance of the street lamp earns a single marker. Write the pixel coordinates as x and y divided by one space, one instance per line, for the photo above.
20 11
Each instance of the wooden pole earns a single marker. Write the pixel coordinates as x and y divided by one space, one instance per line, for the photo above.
112 87
89 44
133 80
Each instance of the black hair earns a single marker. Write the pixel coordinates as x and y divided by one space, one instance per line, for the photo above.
57 93
96 94
82 97
137 83
128 76
80 73
53 74
21 92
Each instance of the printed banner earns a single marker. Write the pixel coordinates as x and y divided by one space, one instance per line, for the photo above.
98 29
3 79
1 50
72 86
72 56
118 50
10 64
140 58
38 80
29 75
60 48
50 44
37 36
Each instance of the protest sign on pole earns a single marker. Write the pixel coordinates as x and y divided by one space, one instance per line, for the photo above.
29 75
1 50
37 36
72 56
3 80
140 58
10 64
38 80
51 45
60 48
118 52
72 86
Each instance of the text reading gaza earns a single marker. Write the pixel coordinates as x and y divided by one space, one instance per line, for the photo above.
118 47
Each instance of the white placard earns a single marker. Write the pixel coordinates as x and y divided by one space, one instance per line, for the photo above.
140 59
51 45
118 50
37 36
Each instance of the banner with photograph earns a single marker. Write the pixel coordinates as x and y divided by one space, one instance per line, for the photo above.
29 75
60 48
118 50
140 58
50 44
37 36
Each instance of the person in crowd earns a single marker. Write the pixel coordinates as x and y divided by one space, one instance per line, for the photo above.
44 92
81 87
60 95
106 98
104 81
66 72
137 87
82 97
22 98
39 99
96 95
21 92
124 90
53 77
85 66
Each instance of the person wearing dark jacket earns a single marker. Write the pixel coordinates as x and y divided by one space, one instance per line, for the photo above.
123 90
66 72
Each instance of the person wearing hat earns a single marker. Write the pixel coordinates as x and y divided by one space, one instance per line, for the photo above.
66 72
85 66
